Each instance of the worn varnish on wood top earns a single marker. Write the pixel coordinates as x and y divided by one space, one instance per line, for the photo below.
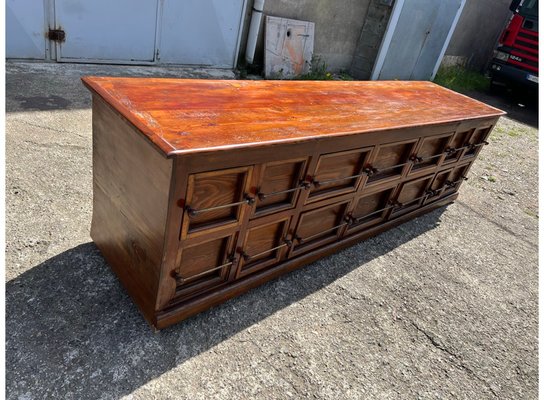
187 115
203 190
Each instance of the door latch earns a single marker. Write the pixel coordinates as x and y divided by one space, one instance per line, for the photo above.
57 35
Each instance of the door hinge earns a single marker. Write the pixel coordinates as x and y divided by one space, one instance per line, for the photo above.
57 35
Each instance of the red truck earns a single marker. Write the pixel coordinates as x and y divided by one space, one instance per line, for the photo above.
516 59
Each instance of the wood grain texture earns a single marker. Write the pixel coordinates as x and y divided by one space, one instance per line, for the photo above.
130 203
190 115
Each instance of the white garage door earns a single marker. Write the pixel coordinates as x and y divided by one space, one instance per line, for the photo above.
195 32
105 30
25 29
414 44
200 32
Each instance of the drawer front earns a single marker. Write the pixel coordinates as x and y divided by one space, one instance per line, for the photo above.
279 185
457 146
390 161
264 245
456 177
371 209
477 141
216 199
205 265
411 195
430 152
437 186
319 226
338 173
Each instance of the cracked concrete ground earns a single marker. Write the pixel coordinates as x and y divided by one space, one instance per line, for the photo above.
444 306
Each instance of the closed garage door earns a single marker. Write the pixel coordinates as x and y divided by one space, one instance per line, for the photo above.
189 32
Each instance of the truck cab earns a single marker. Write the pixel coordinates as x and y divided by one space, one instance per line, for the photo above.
515 61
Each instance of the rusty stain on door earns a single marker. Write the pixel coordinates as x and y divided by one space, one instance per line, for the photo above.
289 46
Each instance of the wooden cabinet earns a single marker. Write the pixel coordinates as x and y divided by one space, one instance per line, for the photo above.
206 189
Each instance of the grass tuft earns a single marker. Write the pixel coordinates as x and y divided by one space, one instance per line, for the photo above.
318 71
461 79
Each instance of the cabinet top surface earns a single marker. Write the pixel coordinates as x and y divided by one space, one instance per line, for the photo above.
191 115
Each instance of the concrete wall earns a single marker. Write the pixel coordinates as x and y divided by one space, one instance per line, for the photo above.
477 32
338 26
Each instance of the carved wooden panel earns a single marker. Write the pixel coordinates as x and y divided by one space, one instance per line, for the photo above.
371 209
216 199
263 245
430 152
338 173
438 186
204 265
279 185
456 177
390 161
411 195
476 141
456 146
318 226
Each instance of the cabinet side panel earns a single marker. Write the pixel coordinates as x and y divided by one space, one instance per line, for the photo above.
131 182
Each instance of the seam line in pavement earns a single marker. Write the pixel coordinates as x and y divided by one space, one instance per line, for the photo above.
47 127
500 226
459 362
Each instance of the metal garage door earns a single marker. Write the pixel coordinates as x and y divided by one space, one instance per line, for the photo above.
200 32
102 30
416 39
25 29
196 32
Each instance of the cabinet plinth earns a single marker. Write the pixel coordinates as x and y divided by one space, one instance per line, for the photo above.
204 189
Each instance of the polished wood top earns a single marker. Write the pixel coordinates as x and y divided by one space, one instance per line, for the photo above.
191 115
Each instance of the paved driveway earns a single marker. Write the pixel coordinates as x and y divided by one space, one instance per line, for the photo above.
444 306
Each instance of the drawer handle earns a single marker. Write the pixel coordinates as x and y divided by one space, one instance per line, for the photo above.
248 257
376 170
421 159
317 183
453 150
193 212
451 184
370 170
302 185
301 240
404 204
416 159
432 193
484 143
180 280
356 220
